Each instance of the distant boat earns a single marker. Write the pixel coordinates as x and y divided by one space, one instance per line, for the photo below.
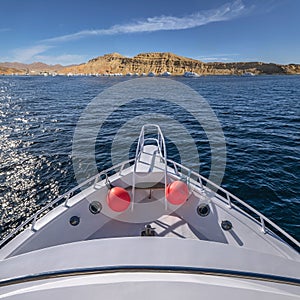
191 74
166 74
248 74
129 74
151 74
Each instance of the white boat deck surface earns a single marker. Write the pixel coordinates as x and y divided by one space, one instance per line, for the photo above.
99 266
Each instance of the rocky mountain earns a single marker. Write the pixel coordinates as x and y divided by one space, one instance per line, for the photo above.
177 65
8 71
153 62
34 68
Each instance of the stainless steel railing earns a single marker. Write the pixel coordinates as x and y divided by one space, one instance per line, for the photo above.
162 152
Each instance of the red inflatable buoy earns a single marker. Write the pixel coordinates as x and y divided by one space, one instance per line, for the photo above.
177 192
118 199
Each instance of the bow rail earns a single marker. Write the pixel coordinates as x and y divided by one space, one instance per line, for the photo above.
162 152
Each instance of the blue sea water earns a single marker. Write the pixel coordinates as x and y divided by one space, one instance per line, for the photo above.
260 118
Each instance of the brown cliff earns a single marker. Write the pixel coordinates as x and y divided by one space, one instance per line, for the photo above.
141 63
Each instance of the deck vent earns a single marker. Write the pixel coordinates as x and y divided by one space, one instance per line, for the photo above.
74 221
226 225
95 207
203 210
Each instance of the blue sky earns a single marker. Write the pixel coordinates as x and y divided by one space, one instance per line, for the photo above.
212 30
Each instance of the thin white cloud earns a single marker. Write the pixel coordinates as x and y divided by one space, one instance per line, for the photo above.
27 54
5 29
225 12
36 53
65 59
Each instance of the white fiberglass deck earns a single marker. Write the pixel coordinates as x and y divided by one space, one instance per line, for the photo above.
145 262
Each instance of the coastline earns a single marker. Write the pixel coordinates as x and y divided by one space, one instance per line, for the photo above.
150 64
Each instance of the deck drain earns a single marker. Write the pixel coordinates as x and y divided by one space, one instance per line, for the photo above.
74 221
95 207
203 210
226 225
